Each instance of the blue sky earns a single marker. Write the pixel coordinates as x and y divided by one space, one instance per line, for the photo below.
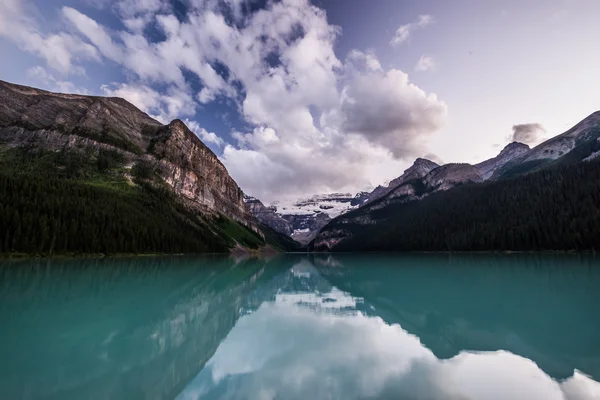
300 97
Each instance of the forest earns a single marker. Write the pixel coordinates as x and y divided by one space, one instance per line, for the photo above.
557 208
73 202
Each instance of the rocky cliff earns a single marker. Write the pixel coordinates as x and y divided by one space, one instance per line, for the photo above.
509 153
419 169
578 143
267 215
53 121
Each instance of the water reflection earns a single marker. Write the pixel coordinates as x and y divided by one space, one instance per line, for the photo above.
117 328
301 327
409 327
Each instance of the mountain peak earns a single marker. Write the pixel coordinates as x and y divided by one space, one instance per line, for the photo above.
514 145
424 161
420 164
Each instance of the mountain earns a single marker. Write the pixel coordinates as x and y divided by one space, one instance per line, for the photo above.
155 187
578 143
419 169
267 215
511 152
303 218
545 198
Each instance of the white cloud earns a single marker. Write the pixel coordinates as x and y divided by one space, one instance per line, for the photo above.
285 347
59 50
164 107
49 82
426 63
203 134
388 110
317 124
404 32
94 33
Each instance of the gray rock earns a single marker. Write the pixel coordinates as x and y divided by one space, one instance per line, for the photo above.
511 152
54 121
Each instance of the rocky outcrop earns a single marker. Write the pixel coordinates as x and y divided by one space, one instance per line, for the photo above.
53 121
419 169
108 120
576 144
586 130
359 199
306 226
195 173
450 175
303 218
511 152
267 215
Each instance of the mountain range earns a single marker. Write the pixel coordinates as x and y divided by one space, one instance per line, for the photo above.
424 177
85 174
96 174
543 198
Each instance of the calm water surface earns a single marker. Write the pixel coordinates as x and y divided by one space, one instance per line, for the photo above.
302 327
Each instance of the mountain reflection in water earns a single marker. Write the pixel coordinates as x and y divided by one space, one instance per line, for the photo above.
298 327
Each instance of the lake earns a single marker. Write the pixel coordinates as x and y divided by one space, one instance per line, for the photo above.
351 326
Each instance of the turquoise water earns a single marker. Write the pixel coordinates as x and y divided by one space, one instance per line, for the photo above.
302 327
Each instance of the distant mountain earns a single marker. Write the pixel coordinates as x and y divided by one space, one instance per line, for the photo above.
579 143
511 152
267 215
303 218
108 178
546 198
420 168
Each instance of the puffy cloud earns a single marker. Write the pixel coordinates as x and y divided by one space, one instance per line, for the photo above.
388 110
363 61
59 50
404 32
163 107
314 123
528 133
94 33
47 80
203 134
284 348
425 63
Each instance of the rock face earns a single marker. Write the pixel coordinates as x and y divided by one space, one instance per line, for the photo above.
562 144
303 218
267 215
414 184
450 175
576 144
359 199
419 169
511 152
54 121
195 173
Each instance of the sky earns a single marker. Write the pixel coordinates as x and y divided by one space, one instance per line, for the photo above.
299 97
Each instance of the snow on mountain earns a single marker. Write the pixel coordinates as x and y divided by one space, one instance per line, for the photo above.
332 204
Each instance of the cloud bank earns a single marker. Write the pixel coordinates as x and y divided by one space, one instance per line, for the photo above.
314 122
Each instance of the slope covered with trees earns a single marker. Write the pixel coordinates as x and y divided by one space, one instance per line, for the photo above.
557 208
71 202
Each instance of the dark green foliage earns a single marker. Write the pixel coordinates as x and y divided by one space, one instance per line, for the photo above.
143 170
510 171
241 233
56 203
557 208
280 241
108 159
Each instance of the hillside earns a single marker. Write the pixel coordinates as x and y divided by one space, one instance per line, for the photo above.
557 208
83 174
